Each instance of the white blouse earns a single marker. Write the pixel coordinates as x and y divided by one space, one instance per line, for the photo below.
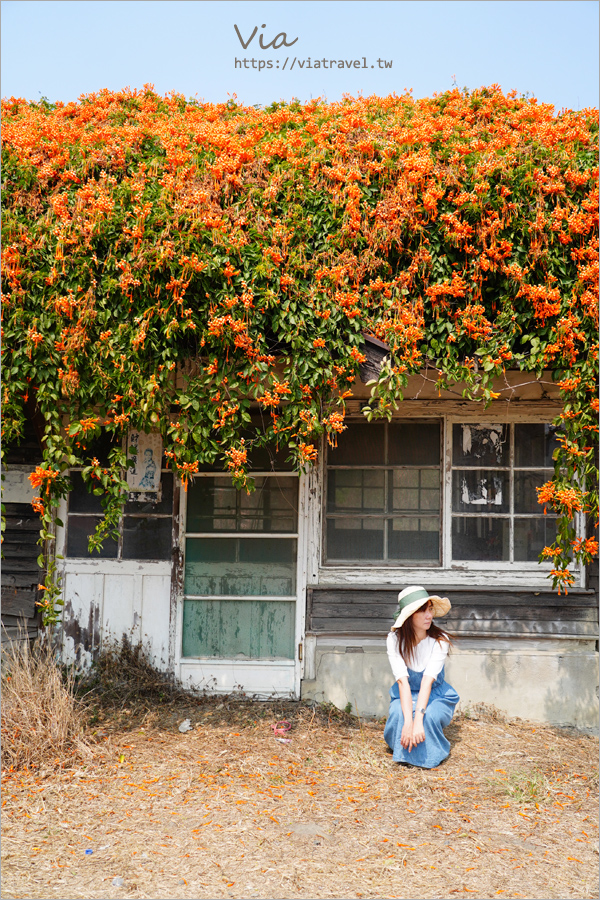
429 657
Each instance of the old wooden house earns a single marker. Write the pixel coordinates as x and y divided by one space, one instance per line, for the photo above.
289 591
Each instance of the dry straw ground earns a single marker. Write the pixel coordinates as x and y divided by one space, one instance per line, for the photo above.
226 810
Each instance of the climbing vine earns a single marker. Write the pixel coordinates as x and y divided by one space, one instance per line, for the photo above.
169 264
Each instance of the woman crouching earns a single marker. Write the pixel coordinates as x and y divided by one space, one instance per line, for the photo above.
422 703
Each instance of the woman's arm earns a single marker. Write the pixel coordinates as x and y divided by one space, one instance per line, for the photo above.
418 732
406 704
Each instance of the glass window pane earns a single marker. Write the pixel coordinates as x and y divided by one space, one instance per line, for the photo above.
410 493
414 444
355 490
359 445
480 491
352 540
79 529
215 505
414 539
80 499
531 536
239 629
480 539
525 490
147 537
480 445
237 567
535 444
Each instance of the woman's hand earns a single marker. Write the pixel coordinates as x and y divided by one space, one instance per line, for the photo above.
406 738
417 731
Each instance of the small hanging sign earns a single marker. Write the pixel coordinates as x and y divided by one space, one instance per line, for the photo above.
143 477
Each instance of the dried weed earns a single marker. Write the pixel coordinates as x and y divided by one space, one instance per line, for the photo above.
42 720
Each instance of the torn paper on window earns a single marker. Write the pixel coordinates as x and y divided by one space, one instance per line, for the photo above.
487 492
480 441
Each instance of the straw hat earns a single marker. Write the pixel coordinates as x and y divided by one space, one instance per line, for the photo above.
412 598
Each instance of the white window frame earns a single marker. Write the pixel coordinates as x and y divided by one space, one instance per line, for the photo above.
455 572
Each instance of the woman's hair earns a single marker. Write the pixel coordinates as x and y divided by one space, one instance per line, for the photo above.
407 639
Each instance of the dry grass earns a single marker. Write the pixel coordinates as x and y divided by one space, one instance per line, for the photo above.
42 721
227 811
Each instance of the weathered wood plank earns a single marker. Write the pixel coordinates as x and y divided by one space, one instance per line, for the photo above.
22 604
459 611
19 551
22 578
522 597
20 538
464 627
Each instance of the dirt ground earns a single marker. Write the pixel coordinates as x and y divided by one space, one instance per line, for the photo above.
230 810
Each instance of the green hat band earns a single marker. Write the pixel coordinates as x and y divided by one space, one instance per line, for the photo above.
419 594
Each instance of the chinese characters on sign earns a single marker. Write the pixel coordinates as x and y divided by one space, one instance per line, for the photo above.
145 452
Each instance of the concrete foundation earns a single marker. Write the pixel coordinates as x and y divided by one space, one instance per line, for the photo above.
553 681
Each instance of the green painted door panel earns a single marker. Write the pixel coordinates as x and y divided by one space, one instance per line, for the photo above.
244 629
237 567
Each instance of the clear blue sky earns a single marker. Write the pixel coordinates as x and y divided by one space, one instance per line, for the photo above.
61 50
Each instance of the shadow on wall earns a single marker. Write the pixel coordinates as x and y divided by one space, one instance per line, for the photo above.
570 681
356 678
573 698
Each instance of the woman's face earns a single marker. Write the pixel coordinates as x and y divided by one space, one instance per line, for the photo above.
423 617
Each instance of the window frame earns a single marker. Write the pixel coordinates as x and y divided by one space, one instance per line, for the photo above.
386 468
130 515
460 569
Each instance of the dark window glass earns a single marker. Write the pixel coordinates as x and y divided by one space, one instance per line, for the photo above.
525 490
147 537
480 445
482 538
531 536
79 530
214 504
480 491
100 448
80 499
355 539
414 444
534 445
414 539
359 445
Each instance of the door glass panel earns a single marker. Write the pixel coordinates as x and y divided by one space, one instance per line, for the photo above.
236 567
480 538
480 445
147 537
478 490
79 530
215 505
239 629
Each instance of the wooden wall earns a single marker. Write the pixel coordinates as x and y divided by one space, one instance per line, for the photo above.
20 572
476 612
20 550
